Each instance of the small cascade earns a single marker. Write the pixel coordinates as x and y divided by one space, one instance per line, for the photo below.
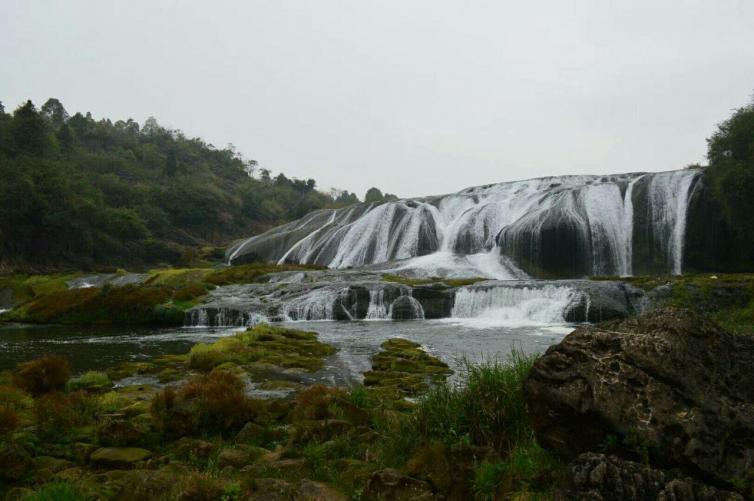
514 305
378 310
417 308
223 317
669 199
198 318
314 305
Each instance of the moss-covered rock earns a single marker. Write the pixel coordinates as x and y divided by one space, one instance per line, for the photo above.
119 457
404 367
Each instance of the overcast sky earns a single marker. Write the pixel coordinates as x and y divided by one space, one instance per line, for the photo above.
415 97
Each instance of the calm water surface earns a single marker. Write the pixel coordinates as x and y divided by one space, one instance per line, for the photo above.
91 348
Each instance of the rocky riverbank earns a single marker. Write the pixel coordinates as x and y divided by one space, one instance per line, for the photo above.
655 407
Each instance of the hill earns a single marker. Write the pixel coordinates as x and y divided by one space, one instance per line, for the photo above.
90 194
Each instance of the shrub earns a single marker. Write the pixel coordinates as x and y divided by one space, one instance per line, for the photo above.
12 400
8 419
42 375
207 403
57 413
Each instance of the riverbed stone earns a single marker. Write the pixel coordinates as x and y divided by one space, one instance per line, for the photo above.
671 386
119 457
600 477
391 484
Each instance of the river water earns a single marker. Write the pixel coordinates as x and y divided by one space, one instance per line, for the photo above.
92 348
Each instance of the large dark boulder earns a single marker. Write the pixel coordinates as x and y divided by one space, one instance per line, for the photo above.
599 477
671 386
436 299
406 308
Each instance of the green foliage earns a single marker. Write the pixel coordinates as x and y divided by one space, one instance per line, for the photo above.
82 193
91 380
56 491
42 375
374 195
488 409
731 172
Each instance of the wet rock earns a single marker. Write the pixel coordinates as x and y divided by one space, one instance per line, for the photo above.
118 457
599 477
406 308
272 489
251 432
351 304
239 456
15 462
436 300
192 448
672 386
115 432
391 484
309 490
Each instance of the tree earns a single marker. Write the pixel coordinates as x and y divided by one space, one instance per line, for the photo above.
171 163
54 112
731 172
373 195
29 131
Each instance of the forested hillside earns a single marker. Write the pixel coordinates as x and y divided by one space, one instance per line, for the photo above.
82 193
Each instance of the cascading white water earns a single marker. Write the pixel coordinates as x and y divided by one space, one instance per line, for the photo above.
315 305
669 198
514 305
599 210
377 310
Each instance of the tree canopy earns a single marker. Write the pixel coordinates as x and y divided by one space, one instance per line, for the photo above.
731 172
80 192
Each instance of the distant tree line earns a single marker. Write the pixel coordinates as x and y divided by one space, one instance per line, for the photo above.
79 192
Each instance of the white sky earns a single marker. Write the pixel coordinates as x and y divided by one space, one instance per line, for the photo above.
415 97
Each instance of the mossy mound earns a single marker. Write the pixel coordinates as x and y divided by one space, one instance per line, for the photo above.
128 305
403 366
263 345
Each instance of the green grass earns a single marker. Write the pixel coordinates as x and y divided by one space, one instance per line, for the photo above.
92 380
56 491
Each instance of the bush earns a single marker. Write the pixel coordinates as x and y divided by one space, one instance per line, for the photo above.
8 419
12 401
42 375
213 402
57 413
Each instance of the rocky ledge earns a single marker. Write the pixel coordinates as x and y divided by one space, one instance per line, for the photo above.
670 390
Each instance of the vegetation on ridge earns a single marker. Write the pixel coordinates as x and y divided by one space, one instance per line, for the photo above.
80 193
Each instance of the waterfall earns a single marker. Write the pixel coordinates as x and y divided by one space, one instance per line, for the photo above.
503 231
223 317
669 199
378 310
317 304
515 305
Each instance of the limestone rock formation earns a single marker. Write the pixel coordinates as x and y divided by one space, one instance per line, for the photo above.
671 386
